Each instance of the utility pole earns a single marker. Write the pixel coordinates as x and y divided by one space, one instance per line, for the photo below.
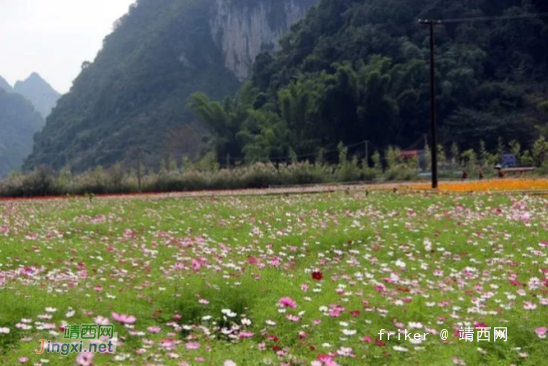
433 123
367 153
139 168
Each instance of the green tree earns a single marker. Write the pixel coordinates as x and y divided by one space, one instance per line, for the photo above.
540 151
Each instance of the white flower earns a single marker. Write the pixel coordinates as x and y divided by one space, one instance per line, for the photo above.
400 349
4 330
229 363
415 325
349 332
228 313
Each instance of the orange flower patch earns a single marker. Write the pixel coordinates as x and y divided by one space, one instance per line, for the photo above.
490 185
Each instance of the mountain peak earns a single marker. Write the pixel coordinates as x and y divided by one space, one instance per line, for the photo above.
4 85
34 79
35 76
39 92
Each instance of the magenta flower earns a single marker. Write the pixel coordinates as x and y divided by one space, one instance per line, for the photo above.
541 332
287 302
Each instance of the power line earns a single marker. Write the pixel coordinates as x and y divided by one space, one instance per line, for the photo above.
489 19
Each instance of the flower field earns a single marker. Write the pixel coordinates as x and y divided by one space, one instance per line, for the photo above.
278 280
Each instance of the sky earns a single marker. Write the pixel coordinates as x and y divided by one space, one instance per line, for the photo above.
54 37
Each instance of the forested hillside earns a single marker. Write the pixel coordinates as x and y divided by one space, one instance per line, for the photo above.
18 124
356 70
133 96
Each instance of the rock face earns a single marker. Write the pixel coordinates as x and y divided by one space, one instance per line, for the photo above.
39 93
243 29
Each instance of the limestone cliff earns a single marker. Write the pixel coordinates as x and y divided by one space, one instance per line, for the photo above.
243 29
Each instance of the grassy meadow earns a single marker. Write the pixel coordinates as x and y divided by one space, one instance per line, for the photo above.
278 280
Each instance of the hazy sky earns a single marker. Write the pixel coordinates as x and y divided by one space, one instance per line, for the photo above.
53 37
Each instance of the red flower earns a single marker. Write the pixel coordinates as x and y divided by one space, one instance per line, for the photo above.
380 343
317 275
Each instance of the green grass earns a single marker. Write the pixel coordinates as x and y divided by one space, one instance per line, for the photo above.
252 251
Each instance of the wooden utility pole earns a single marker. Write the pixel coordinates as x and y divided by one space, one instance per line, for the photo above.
367 153
433 122
139 168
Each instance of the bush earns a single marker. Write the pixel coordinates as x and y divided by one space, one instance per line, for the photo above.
40 182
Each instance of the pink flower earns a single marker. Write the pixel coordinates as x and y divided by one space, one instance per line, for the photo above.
541 332
101 320
154 329
124 318
85 359
293 318
192 345
244 335
327 360
23 359
543 243
287 302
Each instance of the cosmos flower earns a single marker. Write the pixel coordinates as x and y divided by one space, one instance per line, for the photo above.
541 332
123 318
192 345
287 302
317 275
85 359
